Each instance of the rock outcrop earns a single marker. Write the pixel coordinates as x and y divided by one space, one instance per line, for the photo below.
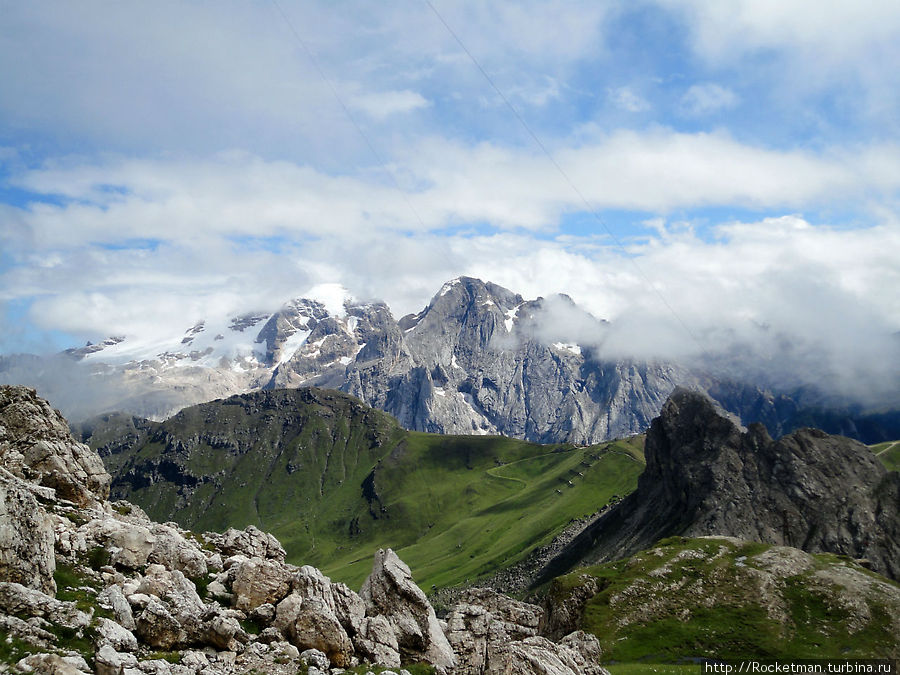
721 597
391 592
707 476
26 536
36 444
493 634
131 590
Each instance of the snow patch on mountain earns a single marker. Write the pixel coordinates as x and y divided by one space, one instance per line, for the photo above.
292 344
446 288
511 316
568 347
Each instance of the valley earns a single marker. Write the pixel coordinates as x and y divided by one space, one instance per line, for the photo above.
335 480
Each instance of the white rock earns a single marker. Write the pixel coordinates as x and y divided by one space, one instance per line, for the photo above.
258 581
118 637
26 537
313 657
176 552
107 661
113 599
391 591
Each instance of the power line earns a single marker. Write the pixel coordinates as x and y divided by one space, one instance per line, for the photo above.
590 207
346 109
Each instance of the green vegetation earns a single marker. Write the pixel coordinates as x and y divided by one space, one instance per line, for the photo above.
12 649
72 586
335 480
702 598
98 557
414 669
170 657
651 668
889 454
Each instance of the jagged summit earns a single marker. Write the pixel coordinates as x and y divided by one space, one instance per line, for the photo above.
477 359
706 476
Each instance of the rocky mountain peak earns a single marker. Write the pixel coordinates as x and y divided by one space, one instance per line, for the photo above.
706 476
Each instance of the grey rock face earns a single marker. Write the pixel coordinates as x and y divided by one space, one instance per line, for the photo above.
479 359
705 476
36 444
26 537
391 592
491 633
251 542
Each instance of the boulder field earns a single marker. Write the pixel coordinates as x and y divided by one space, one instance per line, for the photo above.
89 585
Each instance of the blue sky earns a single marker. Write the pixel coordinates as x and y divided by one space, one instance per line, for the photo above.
159 161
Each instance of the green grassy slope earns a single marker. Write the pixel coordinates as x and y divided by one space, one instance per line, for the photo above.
460 507
889 454
720 598
335 480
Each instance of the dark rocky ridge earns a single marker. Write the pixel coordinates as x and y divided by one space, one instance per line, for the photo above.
706 476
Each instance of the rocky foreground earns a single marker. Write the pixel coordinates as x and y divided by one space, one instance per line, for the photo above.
87 585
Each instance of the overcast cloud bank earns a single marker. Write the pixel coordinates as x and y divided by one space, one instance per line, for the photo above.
724 177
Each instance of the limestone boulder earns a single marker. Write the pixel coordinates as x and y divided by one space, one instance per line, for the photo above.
347 606
156 627
36 444
251 542
52 664
26 537
519 619
107 661
18 600
538 656
115 635
258 581
129 544
309 623
174 551
391 592
469 633
113 599
376 642
223 632
483 643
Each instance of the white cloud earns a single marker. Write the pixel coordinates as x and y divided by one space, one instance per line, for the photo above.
626 99
238 195
816 304
191 76
798 49
386 103
833 30
704 99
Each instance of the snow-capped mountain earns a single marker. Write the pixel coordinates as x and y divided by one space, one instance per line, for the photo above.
478 359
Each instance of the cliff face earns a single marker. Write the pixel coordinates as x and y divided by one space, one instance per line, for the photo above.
707 476
36 444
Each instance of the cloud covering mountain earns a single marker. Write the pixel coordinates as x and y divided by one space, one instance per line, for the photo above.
700 176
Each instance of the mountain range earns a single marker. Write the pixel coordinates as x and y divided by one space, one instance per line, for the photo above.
336 480
478 359
92 585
